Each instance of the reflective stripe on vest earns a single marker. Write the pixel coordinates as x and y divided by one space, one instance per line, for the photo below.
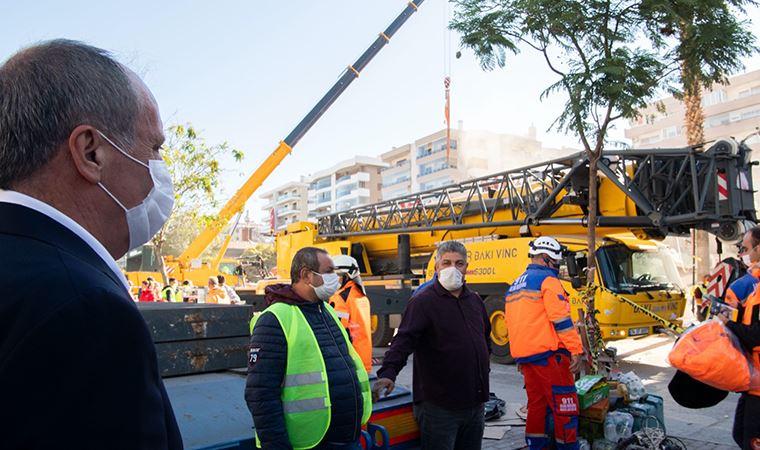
305 392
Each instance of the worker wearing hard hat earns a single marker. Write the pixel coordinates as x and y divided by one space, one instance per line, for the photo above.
352 306
545 345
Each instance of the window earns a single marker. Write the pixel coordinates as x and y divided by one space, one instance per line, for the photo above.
713 98
345 190
395 179
670 132
435 166
324 197
322 183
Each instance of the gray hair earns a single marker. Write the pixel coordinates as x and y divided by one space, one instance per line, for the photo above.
451 246
307 257
49 89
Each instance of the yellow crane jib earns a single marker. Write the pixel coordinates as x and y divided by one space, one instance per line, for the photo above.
237 202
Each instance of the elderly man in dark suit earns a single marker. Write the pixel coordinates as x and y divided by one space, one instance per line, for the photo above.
81 182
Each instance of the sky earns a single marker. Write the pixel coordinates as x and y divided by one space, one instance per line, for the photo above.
247 72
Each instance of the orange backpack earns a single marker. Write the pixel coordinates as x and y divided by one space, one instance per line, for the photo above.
710 353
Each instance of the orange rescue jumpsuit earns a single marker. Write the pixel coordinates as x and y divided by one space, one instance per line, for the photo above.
542 339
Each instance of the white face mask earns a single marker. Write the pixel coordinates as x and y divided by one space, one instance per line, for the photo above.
145 219
747 262
450 278
329 286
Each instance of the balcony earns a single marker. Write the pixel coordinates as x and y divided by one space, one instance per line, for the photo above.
355 193
404 166
353 178
322 183
345 190
437 147
396 181
285 212
286 198
322 200
431 170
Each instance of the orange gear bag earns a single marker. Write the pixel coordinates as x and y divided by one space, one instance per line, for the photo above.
710 353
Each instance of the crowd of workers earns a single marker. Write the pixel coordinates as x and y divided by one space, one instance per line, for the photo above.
82 182
216 292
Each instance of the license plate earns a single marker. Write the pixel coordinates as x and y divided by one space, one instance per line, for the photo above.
638 331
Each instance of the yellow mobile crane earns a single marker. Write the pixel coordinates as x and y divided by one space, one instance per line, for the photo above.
644 195
188 265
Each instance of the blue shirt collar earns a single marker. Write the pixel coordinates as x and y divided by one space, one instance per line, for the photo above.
553 271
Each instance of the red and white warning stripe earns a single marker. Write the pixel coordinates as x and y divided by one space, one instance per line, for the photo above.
719 280
722 186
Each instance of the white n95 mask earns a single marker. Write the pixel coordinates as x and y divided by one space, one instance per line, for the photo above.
330 285
450 278
145 219
747 262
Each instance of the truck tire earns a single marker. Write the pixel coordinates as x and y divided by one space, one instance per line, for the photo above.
499 336
382 333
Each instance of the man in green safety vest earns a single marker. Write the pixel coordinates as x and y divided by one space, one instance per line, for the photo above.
306 387
169 292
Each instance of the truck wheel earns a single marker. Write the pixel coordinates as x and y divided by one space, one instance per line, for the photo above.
382 333
499 335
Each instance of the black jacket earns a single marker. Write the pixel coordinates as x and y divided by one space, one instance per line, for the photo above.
77 364
450 339
266 371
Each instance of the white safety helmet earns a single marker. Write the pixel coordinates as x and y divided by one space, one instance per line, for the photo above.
348 265
545 245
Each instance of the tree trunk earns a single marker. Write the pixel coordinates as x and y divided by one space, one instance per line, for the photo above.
695 134
593 158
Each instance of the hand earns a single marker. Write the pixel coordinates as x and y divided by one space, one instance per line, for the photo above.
575 363
382 384
723 318
519 368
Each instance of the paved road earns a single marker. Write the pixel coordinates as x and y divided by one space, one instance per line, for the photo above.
705 429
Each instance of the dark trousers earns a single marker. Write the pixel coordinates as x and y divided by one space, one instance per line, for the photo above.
445 429
747 422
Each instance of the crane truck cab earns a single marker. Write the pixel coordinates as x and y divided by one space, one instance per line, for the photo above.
643 271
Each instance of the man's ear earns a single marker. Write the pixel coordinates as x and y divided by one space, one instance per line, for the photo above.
87 149
303 273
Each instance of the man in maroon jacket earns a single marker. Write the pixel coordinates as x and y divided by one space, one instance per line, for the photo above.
446 327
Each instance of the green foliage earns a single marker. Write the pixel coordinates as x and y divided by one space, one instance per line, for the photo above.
707 37
604 68
196 173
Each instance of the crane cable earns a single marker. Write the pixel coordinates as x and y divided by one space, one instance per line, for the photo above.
447 76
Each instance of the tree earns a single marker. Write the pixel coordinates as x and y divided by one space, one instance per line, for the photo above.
707 42
258 260
195 171
595 49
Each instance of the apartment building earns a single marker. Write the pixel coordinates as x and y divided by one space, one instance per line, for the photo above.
425 165
286 204
349 183
732 110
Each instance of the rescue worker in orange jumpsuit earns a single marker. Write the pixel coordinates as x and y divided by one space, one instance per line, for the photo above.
746 430
546 346
352 306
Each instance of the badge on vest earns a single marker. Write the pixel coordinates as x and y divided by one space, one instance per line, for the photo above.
253 355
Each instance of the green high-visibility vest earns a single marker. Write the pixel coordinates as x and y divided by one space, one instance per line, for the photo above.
305 393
